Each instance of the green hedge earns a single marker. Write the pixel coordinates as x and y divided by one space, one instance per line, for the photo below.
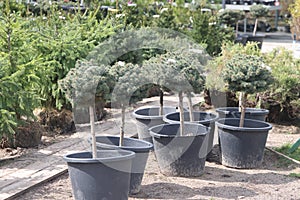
36 52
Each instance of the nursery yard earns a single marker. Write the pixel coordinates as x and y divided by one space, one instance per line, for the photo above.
272 180
55 53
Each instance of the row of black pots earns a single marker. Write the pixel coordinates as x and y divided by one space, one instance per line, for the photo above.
240 147
148 117
177 155
118 171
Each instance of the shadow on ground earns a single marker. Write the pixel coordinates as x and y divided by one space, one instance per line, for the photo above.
164 190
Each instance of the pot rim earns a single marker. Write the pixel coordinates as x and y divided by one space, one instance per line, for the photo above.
81 157
220 124
157 135
215 118
251 111
139 116
147 145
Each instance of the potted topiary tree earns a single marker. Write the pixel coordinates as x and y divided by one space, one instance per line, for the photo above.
149 116
220 96
101 174
257 11
193 69
231 18
178 147
128 78
242 141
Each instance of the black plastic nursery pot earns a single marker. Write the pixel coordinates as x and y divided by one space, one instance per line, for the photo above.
180 155
148 117
251 113
242 147
141 149
106 177
205 118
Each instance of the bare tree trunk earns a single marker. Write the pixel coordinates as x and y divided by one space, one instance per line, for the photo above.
236 28
242 107
240 101
190 104
181 113
122 128
161 101
255 27
92 121
258 100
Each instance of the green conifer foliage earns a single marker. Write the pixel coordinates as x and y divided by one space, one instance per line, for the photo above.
80 88
258 11
180 71
81 82
65 38
285 92
231 18
167 19
246 74
214 80
21 71
129 78
207 30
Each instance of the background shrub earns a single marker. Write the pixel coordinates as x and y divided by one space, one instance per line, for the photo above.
283 96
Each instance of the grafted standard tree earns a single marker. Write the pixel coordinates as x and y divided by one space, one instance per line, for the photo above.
246 74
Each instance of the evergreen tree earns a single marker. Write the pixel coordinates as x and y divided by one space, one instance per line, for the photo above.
179 71
22 71
258 11
246 74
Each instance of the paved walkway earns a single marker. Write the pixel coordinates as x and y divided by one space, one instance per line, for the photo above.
281 39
